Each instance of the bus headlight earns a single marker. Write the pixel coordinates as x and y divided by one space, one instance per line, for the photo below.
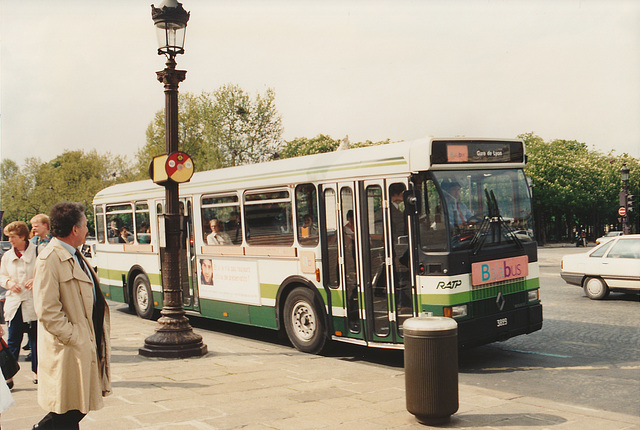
534 295
455 311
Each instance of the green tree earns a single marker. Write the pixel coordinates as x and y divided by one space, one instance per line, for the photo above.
15 189
321 143
574 187
369 143
305 146
247 131
72 176
220 129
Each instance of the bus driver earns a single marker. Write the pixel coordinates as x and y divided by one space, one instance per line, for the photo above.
459 213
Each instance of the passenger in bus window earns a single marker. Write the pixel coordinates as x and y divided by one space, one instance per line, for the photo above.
398 219
308 229
124 236
459 214
114 231
144 235
349 229
217 236
233 226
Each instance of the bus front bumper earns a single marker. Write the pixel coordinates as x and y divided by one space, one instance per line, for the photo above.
501 326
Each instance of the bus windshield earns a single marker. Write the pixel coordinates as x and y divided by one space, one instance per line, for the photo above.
470 209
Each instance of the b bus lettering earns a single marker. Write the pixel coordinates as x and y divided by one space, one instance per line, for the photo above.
504 271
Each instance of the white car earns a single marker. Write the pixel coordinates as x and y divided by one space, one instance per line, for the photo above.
608 236
611 266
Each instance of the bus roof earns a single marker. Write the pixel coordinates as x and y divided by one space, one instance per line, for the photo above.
356 163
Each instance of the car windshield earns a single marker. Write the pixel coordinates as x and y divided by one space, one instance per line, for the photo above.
469 209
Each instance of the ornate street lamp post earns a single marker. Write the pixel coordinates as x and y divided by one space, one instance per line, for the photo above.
175 337
624 199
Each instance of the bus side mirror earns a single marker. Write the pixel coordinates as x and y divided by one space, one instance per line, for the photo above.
410 202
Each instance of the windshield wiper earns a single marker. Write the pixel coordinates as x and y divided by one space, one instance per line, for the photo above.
481 235
492 218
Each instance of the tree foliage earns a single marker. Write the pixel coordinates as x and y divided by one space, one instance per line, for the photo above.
575 187
219 129
321 143
72 176
304 146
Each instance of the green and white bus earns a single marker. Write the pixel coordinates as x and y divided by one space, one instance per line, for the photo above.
341 246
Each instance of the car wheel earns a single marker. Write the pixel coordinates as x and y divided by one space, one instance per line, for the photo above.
143 297
303 322
595 288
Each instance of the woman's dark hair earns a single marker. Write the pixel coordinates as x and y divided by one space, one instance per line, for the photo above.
64 216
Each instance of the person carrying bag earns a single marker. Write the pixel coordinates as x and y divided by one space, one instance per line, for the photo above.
8 363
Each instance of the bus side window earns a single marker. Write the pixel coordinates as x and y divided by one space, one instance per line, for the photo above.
432 222
100 233
307 214
226 210
268 218
143 228
120 223
331 223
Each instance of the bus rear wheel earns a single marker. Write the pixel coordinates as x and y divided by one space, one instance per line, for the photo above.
304 322
143 297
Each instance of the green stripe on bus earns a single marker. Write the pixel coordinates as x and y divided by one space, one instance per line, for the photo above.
268 291
263 316
336 298
260 316
480 293
116 275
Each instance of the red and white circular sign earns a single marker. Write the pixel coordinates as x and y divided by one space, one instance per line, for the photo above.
622 211
179 167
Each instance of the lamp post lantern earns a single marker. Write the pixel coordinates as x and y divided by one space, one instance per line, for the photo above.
624 199
174 337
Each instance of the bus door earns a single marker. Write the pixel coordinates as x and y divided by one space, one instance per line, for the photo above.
188 274
399 269
386 273
374 246
341 257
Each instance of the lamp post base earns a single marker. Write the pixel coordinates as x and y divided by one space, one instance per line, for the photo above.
174 339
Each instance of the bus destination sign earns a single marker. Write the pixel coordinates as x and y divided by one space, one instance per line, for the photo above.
476 151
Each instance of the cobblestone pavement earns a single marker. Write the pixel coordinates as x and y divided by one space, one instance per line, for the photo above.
245 383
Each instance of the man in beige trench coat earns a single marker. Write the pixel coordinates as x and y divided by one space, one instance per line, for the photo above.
73 324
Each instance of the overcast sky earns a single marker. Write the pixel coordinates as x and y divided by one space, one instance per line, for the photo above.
81 74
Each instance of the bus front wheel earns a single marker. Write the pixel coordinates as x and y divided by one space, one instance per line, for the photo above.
303 322
143 297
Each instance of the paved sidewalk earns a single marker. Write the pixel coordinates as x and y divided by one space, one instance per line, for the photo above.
250 384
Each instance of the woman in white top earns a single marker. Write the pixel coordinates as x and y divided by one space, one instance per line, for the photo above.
16 276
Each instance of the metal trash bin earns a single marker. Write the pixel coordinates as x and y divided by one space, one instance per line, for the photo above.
431 368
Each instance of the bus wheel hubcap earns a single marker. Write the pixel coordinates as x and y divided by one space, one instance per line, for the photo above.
304 321
143 300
